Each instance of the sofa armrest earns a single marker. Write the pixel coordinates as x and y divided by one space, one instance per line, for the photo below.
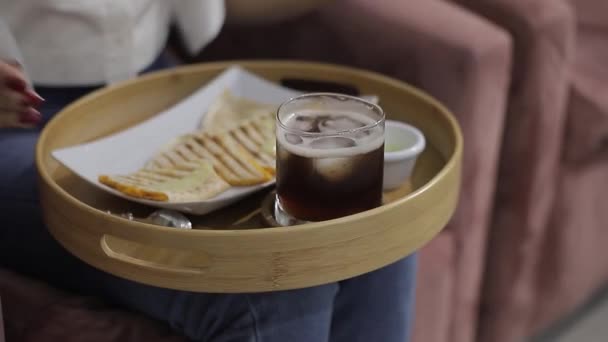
543 37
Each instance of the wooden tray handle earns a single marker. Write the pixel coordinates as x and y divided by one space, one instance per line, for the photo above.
155 258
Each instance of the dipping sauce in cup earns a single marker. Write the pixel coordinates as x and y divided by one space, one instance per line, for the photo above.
403 145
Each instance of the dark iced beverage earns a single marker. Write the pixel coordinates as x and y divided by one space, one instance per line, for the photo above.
330 156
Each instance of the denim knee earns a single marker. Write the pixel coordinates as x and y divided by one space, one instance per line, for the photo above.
24 240
18 175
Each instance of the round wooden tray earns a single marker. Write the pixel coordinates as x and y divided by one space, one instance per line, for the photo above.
233 250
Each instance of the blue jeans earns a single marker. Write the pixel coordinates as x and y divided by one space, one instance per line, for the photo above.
375 307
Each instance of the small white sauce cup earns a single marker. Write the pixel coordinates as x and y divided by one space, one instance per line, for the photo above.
403 144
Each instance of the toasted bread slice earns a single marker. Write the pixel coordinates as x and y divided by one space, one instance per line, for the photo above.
183 182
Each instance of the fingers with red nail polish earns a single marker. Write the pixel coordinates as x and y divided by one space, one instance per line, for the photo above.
16 84
18 102
33 98
23 119
13 101
30 116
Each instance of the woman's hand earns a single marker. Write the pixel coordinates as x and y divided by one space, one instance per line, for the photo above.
18 103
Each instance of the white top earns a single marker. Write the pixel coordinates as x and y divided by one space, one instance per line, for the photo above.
84 42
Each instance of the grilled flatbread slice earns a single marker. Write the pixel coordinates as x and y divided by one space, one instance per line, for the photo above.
243 155
235 158
229 158
182 182
260 143
229 111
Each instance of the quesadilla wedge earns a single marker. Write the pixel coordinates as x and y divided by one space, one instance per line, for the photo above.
229 110
183 182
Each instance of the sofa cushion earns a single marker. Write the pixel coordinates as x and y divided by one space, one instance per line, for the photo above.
587 128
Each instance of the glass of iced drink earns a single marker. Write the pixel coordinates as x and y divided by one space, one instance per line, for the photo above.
330 157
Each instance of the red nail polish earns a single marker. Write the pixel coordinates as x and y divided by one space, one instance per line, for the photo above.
30 116
35 99
28 120
16 84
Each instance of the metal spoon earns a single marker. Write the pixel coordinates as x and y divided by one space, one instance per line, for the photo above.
163 217
169 218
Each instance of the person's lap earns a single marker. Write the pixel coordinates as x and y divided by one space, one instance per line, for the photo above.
372 307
